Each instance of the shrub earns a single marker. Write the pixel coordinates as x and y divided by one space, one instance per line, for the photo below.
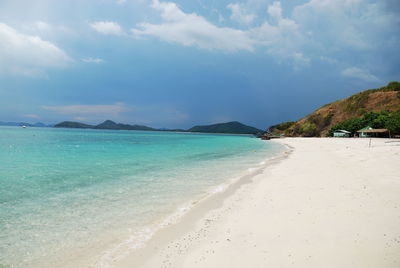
284 126
395 86
296 129
357 102
328 118
309 129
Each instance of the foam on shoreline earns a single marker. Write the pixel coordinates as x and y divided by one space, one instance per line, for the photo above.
188 214
138 241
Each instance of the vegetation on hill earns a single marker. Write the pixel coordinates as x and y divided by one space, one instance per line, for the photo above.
230 127
351 110
108 124
280 128
70 124
384 119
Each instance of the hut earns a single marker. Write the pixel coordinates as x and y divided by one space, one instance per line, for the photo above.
371 132
341 133
362 134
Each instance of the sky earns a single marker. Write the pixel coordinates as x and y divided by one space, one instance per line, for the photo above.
175 64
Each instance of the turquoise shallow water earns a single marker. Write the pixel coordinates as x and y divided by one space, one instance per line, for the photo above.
64 191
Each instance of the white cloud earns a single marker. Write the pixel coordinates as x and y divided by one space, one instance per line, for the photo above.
78 110
48 30
193 30
27 55
280 37
240 15
315 30
93 60
120 2
354 72
283 33
34 116
299 59
107 27
328 59
344 24
41 25
275 11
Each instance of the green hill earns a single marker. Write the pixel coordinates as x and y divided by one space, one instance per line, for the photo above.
229 127
70 124
108 124
359 109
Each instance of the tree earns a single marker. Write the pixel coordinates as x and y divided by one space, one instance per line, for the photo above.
394 86
369 117
393 122
351 125
380 121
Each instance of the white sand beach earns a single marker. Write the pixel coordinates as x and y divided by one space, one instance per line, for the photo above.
331 202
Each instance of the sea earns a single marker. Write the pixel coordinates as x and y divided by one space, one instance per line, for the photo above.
101 194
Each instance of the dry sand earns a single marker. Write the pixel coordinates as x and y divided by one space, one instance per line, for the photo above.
331 203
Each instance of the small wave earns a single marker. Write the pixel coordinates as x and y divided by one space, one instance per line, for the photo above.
219 188
252 169
139 238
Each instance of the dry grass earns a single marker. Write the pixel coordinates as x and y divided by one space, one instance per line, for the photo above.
355 106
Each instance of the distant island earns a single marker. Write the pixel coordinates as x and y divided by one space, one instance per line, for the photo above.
108 124
377 108
18 124
230 127
233 127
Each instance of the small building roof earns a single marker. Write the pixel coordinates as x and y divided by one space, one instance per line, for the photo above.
365 128
378 130
342 131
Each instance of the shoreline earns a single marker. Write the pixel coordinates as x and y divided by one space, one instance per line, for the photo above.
199 208
322 216
115 252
